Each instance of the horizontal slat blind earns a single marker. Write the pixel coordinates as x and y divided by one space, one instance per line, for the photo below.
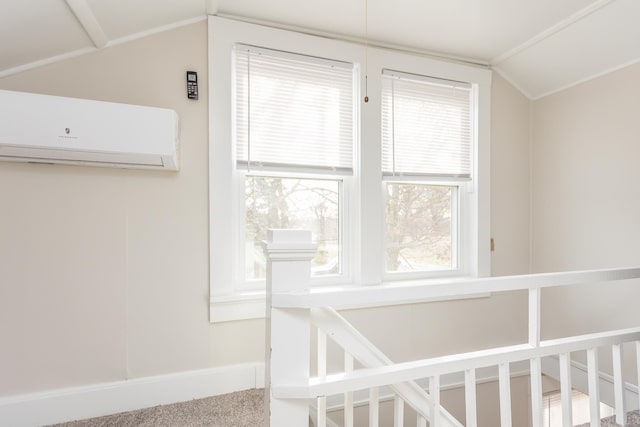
293 111
426 126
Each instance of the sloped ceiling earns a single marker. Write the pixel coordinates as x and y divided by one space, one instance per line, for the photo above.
540 46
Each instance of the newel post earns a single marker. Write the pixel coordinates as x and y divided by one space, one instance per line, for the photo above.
289 254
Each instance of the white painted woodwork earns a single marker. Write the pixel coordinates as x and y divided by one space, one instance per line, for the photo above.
348 396
374 407
313 412
504 385
619 384
434 391
356 344
566 390
398 412
422 422
87 19
425 290
288 254
594 391
536 392
407 371
322 412
123 18
534 316
638 367
322 372
470 397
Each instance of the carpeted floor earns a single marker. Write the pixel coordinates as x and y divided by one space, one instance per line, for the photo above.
241 409
633 420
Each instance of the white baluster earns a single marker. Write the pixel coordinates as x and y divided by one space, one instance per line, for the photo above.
638 367
594 389
536 369
536 392
504 382
434 392
348 396
398 412
421 421
534 317
618 384
565 390
470 397
322 373
374 407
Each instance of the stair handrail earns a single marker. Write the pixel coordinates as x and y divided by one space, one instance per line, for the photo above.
290 301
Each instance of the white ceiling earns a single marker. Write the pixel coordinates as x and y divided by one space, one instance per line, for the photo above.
541 46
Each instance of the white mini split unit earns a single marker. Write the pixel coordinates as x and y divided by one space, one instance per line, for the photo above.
53 129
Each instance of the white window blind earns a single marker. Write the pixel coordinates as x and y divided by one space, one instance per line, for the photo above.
426 126
293 111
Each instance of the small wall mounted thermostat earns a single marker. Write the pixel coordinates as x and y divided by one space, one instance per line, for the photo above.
192 85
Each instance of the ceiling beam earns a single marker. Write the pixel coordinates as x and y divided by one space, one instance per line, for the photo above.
212 7
88 21
556 28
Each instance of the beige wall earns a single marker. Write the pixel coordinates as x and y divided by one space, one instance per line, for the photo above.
586 146
586 201
510 179
105 271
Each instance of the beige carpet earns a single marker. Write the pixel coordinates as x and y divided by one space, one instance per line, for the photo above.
241 409
633 420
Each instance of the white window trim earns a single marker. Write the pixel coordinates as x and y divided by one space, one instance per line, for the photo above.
365 249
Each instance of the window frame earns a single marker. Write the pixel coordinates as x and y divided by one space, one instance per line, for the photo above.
364 203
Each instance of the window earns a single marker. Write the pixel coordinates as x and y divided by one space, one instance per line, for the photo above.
426 157
392 189
294 141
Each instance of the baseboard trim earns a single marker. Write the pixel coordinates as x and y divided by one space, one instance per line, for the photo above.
68 404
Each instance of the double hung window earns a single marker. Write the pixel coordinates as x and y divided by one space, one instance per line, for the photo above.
294 142
394 188
427 151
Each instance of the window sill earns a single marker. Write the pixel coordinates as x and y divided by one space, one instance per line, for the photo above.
240 306
251 305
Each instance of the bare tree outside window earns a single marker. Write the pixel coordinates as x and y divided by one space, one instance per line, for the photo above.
419 227
310 204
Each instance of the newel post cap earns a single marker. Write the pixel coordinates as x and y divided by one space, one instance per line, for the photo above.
283 244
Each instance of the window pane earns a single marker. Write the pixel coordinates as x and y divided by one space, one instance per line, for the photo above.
419 230
295 203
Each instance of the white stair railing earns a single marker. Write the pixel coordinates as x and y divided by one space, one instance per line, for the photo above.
292 307
330 322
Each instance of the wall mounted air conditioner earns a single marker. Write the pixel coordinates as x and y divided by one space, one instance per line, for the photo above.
53 129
